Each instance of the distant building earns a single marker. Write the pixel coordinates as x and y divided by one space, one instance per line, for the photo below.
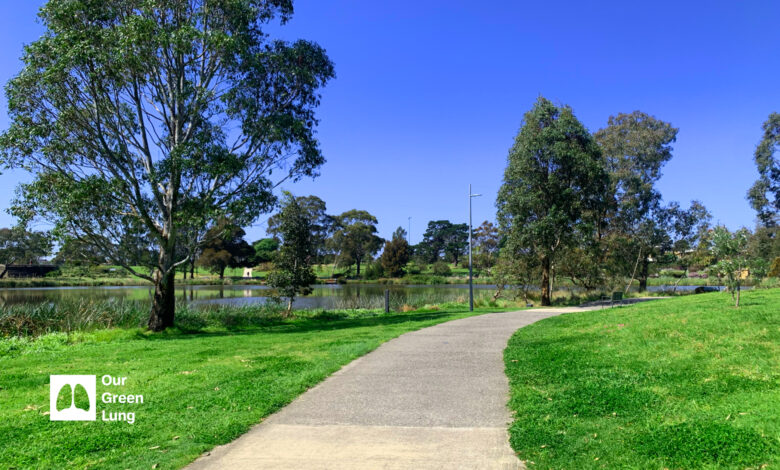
247 272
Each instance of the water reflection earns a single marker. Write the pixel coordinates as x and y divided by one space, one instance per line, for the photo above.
323 296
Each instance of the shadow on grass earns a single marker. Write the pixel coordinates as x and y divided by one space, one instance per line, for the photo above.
281 326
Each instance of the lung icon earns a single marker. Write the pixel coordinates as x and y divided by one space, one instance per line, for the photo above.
72 398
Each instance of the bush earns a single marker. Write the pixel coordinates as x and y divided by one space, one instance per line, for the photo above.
440 268
423 279
413 268
774 269
676 273
374 270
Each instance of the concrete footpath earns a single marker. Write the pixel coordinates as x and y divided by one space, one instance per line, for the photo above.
433 398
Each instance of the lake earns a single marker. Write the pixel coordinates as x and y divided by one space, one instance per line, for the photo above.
324 296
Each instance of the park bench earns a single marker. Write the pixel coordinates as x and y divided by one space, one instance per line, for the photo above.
617 297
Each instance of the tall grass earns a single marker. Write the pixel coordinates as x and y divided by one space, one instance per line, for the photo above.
71 315
413 299
85 315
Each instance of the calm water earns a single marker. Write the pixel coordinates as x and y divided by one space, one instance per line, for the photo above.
324 296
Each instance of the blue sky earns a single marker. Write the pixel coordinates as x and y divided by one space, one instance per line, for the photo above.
430 94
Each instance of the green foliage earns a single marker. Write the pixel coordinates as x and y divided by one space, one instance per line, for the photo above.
635 148
395 254
321 224
73 252
293 273
226 248
673 383
764 243
774 268
354 238
154 119
374 270
554 179
486 242
443 239
413 268
733 260
516 271
266 250
676 273
19 246
764 196
441 268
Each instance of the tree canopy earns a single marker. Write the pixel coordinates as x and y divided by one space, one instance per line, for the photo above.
19 246
158 116
554 177
321 223
396 253
442 238
226 248
635 146
293 274
354 237
764 195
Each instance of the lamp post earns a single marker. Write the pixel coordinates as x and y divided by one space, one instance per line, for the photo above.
471 282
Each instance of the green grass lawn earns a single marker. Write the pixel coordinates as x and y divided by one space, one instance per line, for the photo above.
687 382
199 389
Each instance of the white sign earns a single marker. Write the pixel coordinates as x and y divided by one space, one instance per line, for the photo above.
72 382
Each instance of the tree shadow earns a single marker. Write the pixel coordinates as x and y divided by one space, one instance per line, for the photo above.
287 326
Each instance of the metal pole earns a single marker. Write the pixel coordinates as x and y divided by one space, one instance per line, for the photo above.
387 300
471 273
471 282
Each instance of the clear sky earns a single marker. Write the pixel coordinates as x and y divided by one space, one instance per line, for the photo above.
430 94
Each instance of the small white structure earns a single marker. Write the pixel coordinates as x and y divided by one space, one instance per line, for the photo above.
247 272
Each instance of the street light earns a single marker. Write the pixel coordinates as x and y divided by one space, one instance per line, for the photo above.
471 282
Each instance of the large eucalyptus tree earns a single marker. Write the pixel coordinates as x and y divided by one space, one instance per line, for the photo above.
554 179
764 195
159 117
636 146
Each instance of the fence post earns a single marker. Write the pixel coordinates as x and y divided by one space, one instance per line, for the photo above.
387 300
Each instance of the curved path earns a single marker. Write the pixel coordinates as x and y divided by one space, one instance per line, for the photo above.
432 398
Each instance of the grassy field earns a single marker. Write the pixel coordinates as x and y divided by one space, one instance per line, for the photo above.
200 388
689 382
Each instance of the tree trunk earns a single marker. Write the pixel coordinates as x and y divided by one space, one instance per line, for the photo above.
633 273
222 273
643 275
163 302
738 290
358 266
545 301
192 269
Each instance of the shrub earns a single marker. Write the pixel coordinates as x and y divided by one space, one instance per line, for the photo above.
676 273
774 269
413 268
374 270
440 268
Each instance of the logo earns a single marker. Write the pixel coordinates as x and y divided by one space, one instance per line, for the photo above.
71 387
